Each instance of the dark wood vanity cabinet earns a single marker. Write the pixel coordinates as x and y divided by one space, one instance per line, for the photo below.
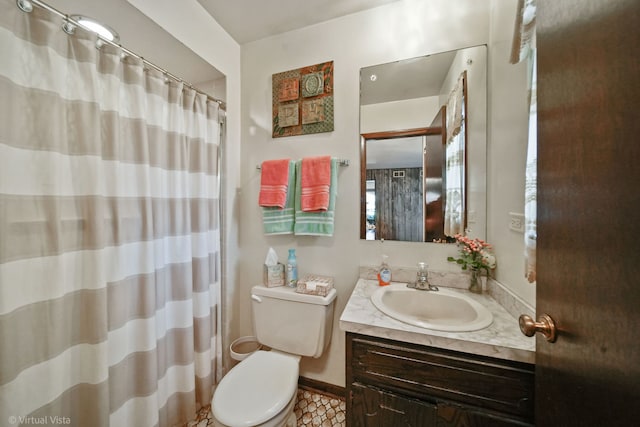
393 384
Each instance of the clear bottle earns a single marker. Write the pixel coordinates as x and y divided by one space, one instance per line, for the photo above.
384 274
292 269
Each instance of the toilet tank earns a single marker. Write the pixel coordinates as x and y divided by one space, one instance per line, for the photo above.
292 322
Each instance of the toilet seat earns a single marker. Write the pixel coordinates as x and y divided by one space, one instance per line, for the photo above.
257 389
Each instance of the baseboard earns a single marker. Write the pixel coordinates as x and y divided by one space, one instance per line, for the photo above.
322 387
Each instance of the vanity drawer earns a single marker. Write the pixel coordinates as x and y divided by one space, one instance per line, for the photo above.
430 373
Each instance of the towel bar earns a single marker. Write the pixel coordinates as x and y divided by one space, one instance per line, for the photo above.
341 162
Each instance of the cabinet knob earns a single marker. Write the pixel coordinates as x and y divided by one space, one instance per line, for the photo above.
545 325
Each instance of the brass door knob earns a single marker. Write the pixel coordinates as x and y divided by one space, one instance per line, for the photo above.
545 325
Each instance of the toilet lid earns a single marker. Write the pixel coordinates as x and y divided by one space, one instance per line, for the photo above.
256 389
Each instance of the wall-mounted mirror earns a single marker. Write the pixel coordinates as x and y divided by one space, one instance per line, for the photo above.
423 168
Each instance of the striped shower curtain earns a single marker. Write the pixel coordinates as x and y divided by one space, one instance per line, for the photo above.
109 233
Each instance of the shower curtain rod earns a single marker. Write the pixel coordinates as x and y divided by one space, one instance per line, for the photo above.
24 5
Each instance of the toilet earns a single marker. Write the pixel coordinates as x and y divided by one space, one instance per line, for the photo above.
260 391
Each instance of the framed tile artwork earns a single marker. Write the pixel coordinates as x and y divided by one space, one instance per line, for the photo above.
303 100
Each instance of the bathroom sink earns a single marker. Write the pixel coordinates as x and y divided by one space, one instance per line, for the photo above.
443 310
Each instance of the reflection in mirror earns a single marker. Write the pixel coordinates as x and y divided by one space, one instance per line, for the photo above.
415 212
423 147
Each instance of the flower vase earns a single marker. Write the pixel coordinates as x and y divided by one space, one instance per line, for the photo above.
475 281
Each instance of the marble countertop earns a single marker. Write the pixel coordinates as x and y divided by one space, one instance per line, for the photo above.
502 339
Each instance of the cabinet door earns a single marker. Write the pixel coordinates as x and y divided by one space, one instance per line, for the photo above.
451 415
493 385
372 407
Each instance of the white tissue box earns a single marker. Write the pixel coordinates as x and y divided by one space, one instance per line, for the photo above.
273 275
315 285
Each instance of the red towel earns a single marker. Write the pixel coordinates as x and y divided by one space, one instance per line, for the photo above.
315 183
274 181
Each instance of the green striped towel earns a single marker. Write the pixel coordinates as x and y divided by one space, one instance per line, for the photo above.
281 221
316 223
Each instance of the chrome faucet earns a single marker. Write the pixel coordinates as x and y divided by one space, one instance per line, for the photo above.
422 280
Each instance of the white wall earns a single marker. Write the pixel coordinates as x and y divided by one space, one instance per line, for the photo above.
508 124
216 87
396 31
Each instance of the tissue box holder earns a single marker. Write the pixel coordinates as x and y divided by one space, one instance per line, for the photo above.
273 275
315 285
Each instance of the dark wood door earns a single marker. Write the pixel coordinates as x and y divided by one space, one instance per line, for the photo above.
589 212
433 174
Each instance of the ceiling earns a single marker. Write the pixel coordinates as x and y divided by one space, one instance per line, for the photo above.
250 20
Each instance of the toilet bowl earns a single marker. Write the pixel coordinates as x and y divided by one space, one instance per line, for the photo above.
258 392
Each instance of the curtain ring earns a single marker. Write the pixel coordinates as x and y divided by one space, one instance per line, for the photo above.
68 27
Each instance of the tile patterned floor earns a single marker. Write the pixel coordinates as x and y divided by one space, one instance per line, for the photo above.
312 410
318 410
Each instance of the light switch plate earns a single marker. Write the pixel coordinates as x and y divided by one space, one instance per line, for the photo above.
516 222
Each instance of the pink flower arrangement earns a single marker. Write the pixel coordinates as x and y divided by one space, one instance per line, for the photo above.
474 253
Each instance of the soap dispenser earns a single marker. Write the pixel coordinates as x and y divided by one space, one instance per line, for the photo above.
384 273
